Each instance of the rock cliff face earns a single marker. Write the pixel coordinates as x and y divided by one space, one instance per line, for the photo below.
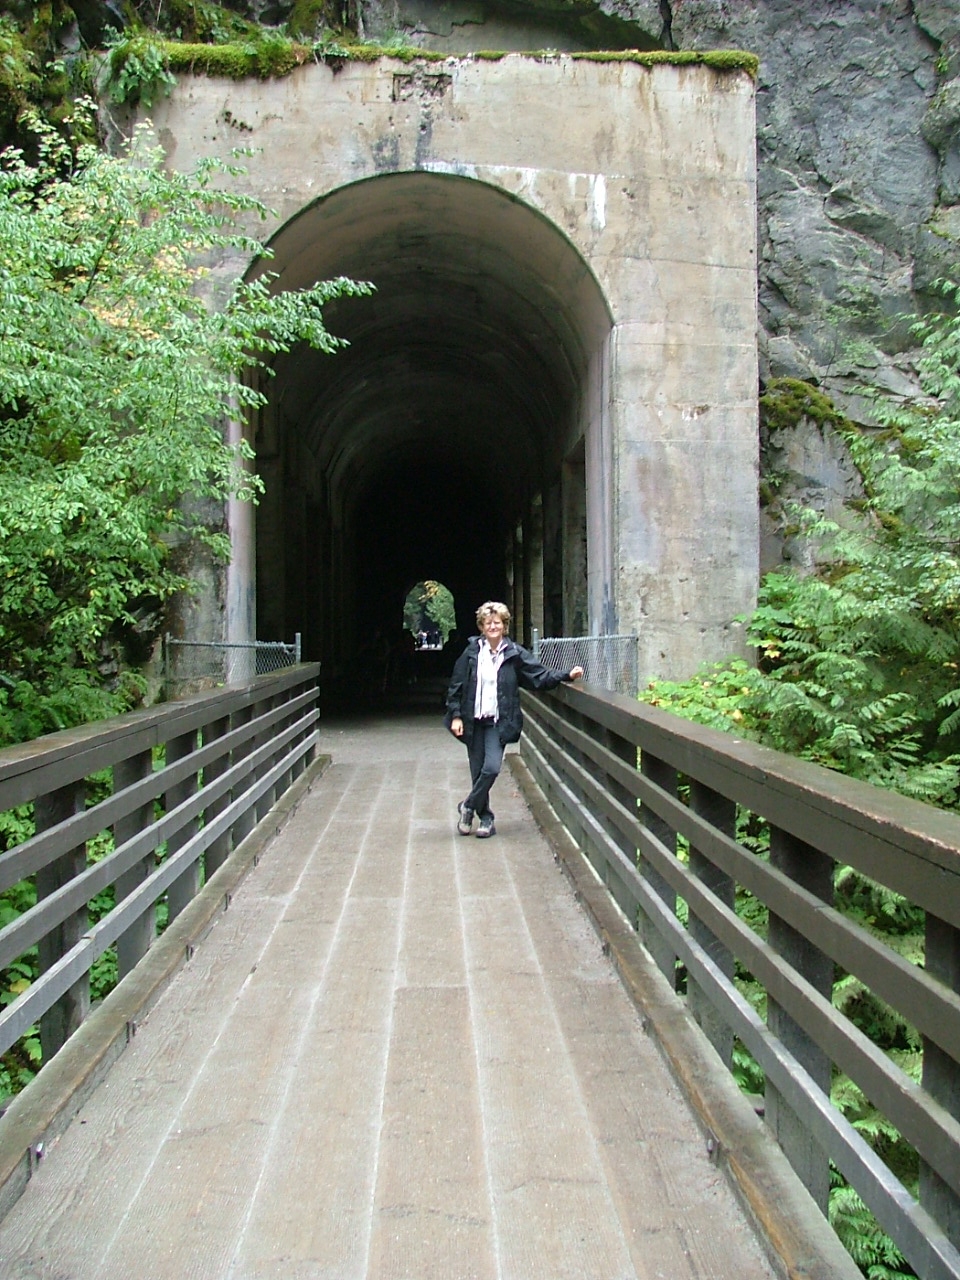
858 124
858 109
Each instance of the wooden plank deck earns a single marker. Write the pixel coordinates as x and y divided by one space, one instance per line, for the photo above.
400 1053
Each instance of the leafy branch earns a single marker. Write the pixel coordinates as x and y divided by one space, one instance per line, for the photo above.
117 376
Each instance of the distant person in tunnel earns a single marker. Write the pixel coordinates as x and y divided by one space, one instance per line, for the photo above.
483 706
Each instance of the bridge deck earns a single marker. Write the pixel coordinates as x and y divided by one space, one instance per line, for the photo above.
401 1053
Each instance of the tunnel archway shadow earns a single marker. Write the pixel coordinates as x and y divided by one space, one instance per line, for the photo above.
477 369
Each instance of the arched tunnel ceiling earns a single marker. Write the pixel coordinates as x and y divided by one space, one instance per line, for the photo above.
465 362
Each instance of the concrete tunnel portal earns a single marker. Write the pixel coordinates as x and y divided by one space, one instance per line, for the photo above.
452 440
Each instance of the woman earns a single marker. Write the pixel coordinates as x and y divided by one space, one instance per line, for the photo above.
483 706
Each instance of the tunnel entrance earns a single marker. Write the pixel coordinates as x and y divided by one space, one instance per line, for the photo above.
459 437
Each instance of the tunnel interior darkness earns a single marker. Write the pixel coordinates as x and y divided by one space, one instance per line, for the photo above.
447 441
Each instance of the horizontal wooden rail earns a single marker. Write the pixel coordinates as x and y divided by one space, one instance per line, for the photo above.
652 801
175 788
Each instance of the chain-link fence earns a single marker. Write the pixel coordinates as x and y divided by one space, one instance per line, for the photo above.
190 666
607 661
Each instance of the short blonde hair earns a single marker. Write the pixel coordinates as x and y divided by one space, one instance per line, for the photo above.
490 608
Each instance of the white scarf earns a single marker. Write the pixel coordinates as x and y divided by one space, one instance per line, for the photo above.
488 664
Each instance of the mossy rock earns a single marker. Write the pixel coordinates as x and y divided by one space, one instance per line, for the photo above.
20 84
789 401
309 18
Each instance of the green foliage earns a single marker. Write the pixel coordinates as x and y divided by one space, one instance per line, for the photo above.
116 377
860 1234
745 1071
200 20
16 825
136 70
850 676
720 694
829 695
22 1062
36 74
858 663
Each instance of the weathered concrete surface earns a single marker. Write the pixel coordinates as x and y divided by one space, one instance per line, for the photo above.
400 1053
564 251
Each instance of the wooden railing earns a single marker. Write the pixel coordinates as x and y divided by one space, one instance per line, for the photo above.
655 804
173 789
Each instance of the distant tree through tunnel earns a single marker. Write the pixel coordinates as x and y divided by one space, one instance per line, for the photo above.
429 614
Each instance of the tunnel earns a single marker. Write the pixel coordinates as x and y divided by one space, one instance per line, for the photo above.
459 437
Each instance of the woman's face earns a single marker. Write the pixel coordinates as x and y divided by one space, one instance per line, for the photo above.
493 629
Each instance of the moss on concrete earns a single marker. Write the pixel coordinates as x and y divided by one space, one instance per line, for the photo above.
239 60
718 59
205 38
279 56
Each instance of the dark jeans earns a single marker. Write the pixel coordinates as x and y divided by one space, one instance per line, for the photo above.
485 754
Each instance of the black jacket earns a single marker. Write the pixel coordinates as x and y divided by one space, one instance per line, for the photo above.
519 667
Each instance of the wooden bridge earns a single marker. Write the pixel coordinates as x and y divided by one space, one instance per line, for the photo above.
405 1053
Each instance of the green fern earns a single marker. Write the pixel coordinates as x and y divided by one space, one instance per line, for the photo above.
870 1247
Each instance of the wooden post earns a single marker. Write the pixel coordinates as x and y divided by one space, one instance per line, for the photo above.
516 585
184 888
247 820
134 943
269 797
64 1017
527 586
300 764
218 850
622 890
721 813
661 948
941 1074
813 870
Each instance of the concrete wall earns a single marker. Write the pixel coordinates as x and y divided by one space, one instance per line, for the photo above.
649 174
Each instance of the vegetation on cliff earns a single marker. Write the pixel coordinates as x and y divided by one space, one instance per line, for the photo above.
858 663
116 377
